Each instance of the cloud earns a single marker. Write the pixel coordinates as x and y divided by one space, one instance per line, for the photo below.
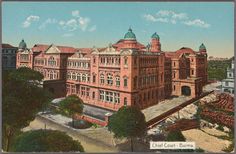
46 22
29 20
75 13
83 23
149 17
70 25
197 23
167 16
93 28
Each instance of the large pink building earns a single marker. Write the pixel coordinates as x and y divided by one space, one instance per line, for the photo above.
124 73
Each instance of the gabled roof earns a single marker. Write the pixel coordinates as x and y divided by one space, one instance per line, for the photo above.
5 45
40 47
60 49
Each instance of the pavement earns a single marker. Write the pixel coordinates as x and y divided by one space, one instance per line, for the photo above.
164 106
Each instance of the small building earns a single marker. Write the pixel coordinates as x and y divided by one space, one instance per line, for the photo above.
8 57
228 83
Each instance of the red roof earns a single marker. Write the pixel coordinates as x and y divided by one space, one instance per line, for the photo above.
121 42
7 46
40 47
185 50
172 54
65 49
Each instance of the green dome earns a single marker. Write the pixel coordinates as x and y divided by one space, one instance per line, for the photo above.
130 35
202 47
22 45
155 36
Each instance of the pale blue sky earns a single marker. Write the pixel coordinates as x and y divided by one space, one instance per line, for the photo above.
88 24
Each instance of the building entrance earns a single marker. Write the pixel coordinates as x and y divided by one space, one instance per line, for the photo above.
185 90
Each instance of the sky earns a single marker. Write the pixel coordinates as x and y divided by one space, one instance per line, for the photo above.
89 24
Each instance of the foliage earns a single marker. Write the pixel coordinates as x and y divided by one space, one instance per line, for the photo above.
22 100
127 122
71 104
175 135
45 141
217 70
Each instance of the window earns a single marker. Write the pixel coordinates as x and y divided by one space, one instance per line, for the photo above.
125 81
117 97
79 77
87 92
94 60
117 81
88 77
102 79
83 91
125 61
174 87
109 96
83 78
125 101
94 78
109 79
226 83
73 76
51 61
192 72
73 89
93 95
102 95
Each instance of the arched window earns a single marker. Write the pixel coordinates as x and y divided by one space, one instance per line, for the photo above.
88 77
79 77
51 61
74 76
83 77
125 81
117 81
109 79
102 79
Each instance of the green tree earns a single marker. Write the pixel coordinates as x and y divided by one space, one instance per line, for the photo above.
22 100
128 122
71 105
175 135
45 141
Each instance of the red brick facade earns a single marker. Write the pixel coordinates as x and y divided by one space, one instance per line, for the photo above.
124 73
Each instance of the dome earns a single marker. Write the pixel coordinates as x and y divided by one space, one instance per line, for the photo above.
155 36
22 45
202 47
130 35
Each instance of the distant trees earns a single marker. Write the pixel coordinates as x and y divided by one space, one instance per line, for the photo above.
46 141
128 122
217 70
71 105
22 100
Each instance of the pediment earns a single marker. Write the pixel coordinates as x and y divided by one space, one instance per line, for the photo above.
52 49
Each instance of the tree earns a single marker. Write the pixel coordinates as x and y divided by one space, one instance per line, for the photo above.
175 135
71 105
22 100
46 141
128 122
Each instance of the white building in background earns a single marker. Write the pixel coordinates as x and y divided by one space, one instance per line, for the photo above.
228 83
